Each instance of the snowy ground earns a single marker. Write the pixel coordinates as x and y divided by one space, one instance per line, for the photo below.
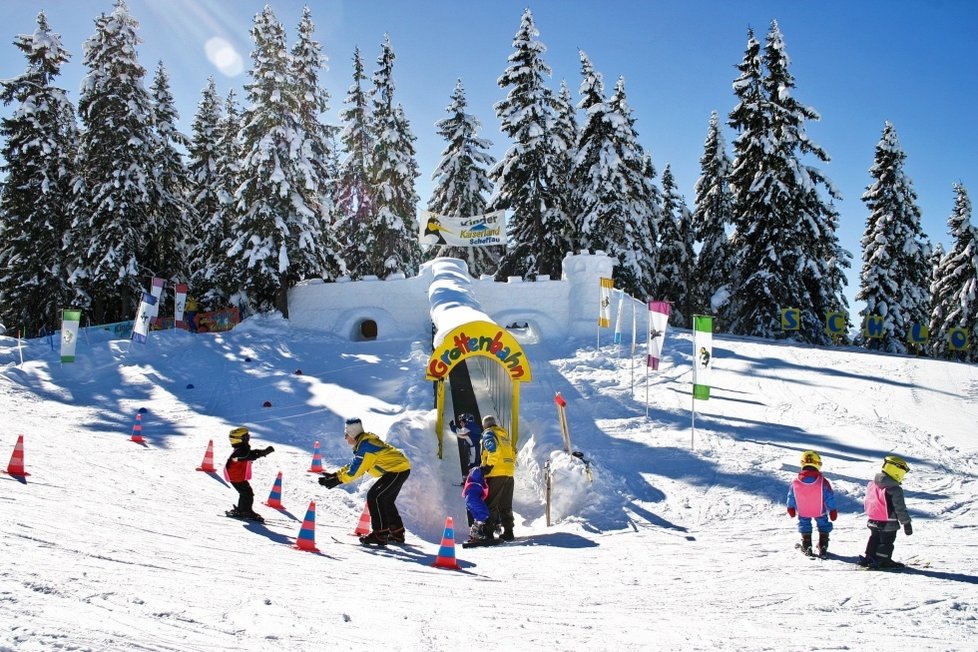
680 541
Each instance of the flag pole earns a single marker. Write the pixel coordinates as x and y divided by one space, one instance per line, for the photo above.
692 432
631 391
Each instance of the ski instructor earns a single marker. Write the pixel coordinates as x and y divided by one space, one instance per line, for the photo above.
378 458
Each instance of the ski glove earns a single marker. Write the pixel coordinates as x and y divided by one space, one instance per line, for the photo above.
791 512
907 528
329 480
269 449
833 515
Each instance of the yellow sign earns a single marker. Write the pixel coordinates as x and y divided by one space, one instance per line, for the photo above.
478 338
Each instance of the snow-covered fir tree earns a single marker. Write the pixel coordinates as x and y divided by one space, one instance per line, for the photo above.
523 180
676 255
712 213
167 230
387 242
307 62
111 202
461 180
563 141
38 167
787 250
955 290
895 275
276 236
603 218
354 194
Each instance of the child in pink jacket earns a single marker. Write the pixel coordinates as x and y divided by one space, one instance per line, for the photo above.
810 496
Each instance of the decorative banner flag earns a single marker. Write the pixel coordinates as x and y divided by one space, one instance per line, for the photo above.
621 307
157 291
147 308
179 302
658 322
69 334
702 355
604 305
474 231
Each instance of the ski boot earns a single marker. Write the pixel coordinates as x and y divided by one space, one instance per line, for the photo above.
396 535
376 538
806 545
823 544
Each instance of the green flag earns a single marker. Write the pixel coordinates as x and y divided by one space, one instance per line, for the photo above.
69 334
702 355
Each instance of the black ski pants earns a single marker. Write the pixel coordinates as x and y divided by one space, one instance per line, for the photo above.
246 497
380 501
500 501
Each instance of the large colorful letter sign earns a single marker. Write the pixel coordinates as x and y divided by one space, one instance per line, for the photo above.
873 327
918 334
835 323
790 319
957 339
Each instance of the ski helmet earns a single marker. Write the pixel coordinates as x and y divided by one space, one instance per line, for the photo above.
238 435
895 466
811 458
488 421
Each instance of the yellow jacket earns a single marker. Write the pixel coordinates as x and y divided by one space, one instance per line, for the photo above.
497 451
374 456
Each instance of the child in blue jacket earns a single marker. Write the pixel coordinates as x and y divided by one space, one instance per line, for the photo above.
475 490
810 496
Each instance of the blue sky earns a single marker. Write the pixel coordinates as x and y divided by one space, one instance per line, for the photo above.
857 63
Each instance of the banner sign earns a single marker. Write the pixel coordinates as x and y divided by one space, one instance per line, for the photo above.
702 355
604 303
147 308
478 338
658 322
474 231
179 302
69 334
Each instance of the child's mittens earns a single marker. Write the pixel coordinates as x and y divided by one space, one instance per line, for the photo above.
791 512
833 515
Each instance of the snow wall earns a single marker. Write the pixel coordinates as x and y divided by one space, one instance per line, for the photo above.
399 307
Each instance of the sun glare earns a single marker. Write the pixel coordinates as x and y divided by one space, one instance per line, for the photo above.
224 57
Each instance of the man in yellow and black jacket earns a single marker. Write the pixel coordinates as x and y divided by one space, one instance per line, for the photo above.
498 453
378 458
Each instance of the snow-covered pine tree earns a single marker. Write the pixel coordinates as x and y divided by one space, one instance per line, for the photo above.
38 154
676 255
895 275
354 195
111 196
787 251
389 239
307 61
563 140
168 228
713 212
524 183
461 180
603 220
276 236
955 291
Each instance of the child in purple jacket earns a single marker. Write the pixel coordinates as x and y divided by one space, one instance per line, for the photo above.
810 496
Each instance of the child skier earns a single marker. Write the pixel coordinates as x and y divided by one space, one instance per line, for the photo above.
470 434
238 471
886 510
475 491
811 496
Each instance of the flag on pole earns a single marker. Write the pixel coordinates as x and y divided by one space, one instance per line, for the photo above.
658 322
621 307
147 308
157 290
604 307
69 334
702 355
179 302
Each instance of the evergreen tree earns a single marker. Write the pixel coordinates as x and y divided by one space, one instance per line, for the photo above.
895 275
563 141
38 165
955 291
710 283
167 232
787 251
111 204
277 234
354 195
603 220
524 180
307 61
219 278
461 180
676 253
388 240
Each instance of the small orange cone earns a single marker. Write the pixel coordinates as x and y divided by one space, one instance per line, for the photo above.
208 463
317 462
446 554
275 498
363 526
307 533
137 430
16 466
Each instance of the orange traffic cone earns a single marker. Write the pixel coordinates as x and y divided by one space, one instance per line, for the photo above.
363 526
307 533
137 430
275 498
208 463
16 466
446 554
317 462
